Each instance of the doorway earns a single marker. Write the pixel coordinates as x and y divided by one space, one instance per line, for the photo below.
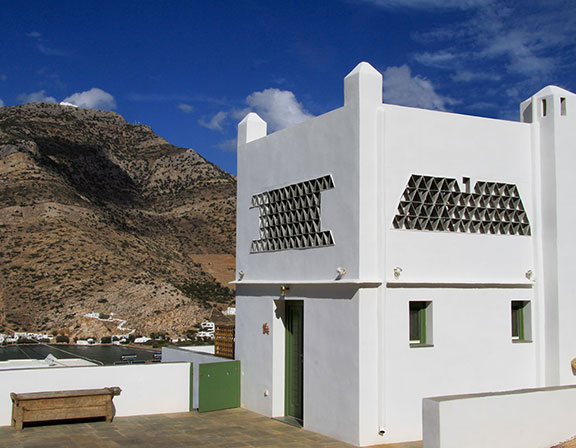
294 382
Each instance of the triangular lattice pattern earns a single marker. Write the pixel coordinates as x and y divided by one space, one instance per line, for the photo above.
290 217
437 204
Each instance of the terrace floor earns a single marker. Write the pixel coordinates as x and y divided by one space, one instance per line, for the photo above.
230 428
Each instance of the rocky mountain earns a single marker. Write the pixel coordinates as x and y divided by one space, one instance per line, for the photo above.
101 216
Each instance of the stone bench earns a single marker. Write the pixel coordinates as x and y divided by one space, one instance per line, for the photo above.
63 405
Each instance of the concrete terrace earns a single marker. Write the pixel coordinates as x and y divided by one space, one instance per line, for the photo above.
229 428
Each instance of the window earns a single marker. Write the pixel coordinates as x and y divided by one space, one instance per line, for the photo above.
562 106
521 329
420 323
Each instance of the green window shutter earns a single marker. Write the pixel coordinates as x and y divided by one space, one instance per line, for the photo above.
422 314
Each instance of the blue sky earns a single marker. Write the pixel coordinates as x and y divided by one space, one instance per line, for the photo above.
192 69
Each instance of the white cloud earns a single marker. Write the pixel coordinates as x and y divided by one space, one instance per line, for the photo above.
279 108
428 4
215 122
435 59
400 87
468 76
520 50
1 103
3 77
483 105
92 99
530 39
36 97
186 108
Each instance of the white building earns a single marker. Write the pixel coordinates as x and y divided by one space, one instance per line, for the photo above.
387 253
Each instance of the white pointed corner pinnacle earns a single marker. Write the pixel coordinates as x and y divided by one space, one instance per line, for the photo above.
363 85
251 128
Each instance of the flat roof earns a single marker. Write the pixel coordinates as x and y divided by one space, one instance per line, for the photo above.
42 363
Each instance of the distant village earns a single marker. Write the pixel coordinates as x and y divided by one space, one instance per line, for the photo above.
204 333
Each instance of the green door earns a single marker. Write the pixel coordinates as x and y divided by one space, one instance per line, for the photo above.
294 359
218 386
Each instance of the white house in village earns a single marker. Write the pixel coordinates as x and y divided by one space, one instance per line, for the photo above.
386 254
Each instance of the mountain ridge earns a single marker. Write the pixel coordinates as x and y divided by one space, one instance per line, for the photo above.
99 215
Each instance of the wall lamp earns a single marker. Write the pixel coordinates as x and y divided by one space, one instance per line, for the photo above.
341 273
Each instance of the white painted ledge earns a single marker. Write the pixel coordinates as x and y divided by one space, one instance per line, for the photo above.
461 285
347 282
391 284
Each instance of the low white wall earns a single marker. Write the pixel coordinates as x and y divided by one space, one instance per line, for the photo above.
196 356
472 352
146 389
528 418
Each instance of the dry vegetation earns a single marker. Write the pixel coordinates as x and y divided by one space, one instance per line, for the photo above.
568 444
98 215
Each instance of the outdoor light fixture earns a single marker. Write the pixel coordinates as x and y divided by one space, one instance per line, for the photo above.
341 273
397 272
284 290
529 274
240 275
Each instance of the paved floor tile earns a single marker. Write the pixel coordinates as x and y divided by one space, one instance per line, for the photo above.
234 428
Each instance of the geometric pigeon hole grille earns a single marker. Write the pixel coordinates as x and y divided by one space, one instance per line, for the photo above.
437 204
290 217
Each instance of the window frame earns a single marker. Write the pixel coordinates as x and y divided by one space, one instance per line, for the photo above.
420 323
520 321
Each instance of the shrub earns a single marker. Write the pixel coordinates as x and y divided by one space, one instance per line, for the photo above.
62 338
106 340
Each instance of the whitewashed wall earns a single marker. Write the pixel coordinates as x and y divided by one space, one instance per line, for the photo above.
262 385
146 389
440 144
537 418
339 397
306 151
472 352
328 144
473 349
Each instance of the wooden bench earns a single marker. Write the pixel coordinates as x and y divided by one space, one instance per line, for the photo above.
63 405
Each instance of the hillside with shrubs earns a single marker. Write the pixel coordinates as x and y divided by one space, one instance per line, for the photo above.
99 215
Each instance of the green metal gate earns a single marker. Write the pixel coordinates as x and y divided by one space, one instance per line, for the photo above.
219 386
